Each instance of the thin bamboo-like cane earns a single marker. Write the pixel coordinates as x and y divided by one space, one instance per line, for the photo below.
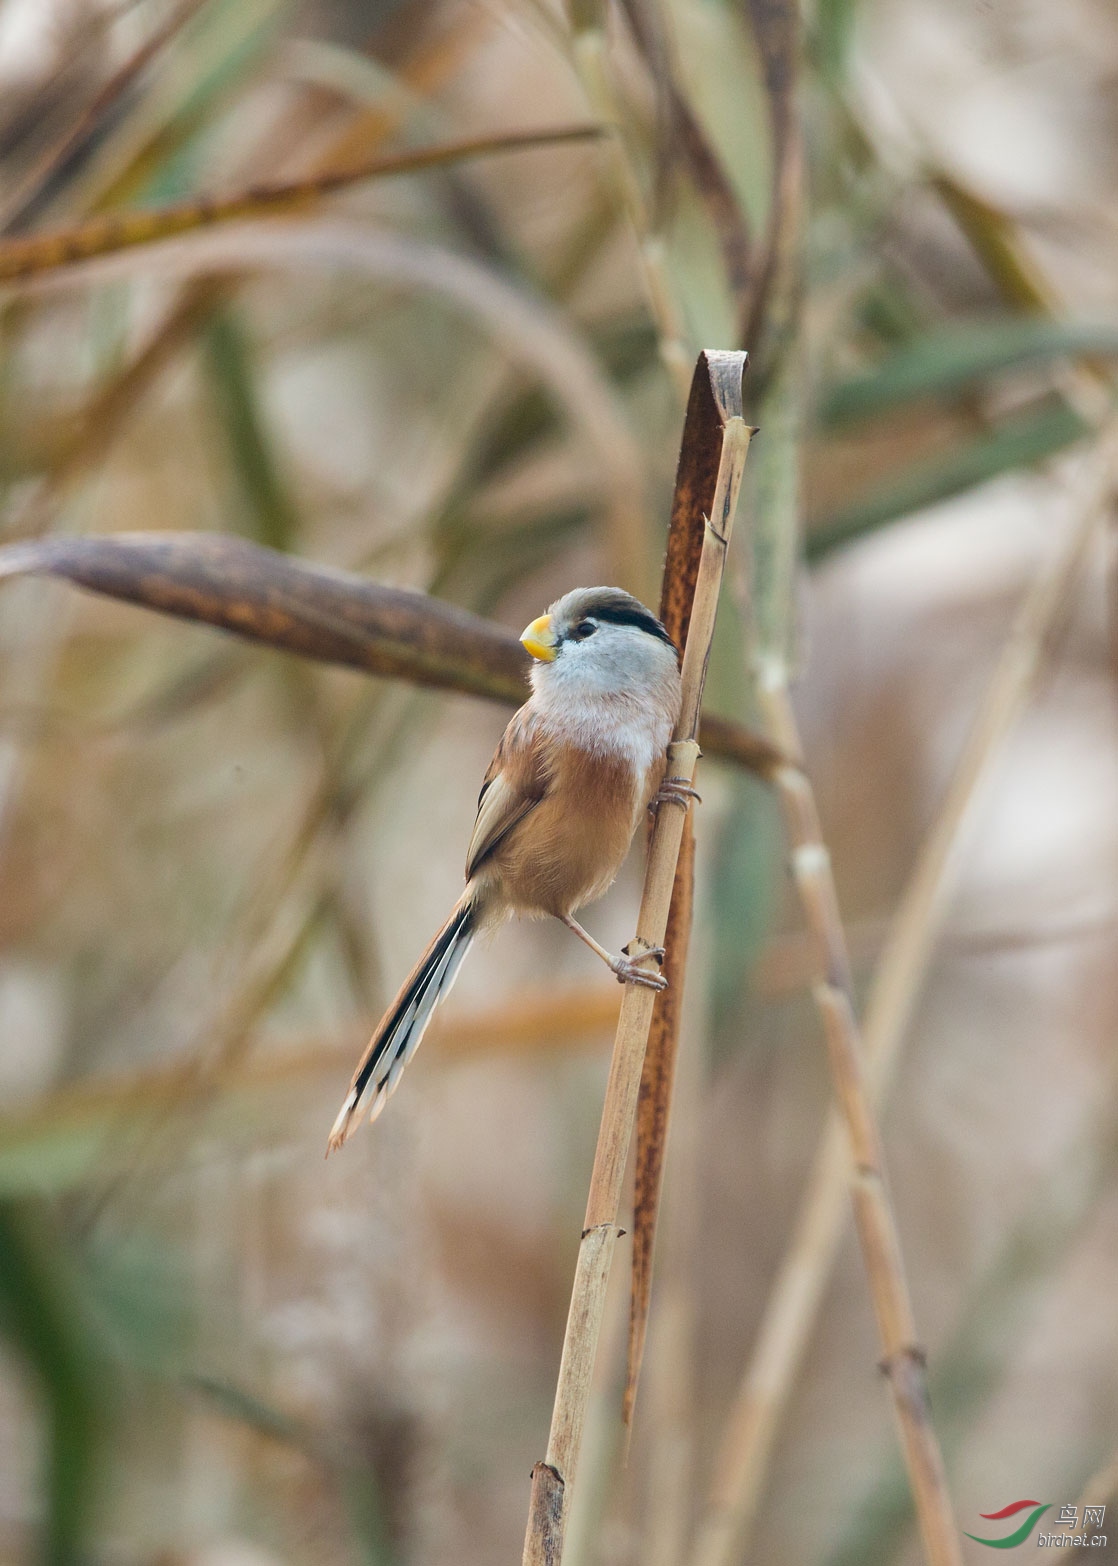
801 1278
553 1478
902 1358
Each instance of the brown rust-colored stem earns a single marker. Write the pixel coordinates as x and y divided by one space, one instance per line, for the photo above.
672 1430
552 1478
654 1108
694 499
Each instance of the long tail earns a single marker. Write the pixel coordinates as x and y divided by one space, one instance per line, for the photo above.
404 1024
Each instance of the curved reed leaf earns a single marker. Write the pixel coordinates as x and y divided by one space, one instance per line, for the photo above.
318 612
1018 442
955 358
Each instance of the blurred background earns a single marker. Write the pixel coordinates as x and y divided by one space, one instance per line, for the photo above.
218 861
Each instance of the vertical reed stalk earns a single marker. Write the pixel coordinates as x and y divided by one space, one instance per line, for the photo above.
603 1438
769 615
797 1291
902 1358
553 1478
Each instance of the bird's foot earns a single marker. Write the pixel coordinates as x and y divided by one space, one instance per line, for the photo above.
674 791
625 967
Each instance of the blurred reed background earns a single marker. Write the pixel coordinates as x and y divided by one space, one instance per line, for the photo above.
218 861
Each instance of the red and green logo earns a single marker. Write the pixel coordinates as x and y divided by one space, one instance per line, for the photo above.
1019 1535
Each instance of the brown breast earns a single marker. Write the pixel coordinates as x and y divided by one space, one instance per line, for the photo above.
569 847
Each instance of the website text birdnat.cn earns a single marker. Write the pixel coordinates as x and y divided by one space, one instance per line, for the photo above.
1067 1519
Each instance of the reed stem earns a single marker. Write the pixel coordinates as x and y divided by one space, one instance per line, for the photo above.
553 1477
796 1294
902 1359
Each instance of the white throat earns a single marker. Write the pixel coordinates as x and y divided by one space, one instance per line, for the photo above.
634 725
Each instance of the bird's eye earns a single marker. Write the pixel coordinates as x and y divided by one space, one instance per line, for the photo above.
583 629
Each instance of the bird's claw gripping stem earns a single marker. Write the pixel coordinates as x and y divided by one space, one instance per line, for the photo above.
674 791
627 972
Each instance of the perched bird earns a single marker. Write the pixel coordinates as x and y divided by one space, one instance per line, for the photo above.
573 775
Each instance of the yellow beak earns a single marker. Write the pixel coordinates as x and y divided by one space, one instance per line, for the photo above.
540 639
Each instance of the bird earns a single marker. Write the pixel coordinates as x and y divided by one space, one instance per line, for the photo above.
576 770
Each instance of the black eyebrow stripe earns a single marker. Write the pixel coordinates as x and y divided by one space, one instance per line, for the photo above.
634 614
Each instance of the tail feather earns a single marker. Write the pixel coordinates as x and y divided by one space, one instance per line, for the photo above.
404 1024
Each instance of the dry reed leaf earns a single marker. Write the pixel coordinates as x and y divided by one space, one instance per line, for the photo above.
268 597
332 616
